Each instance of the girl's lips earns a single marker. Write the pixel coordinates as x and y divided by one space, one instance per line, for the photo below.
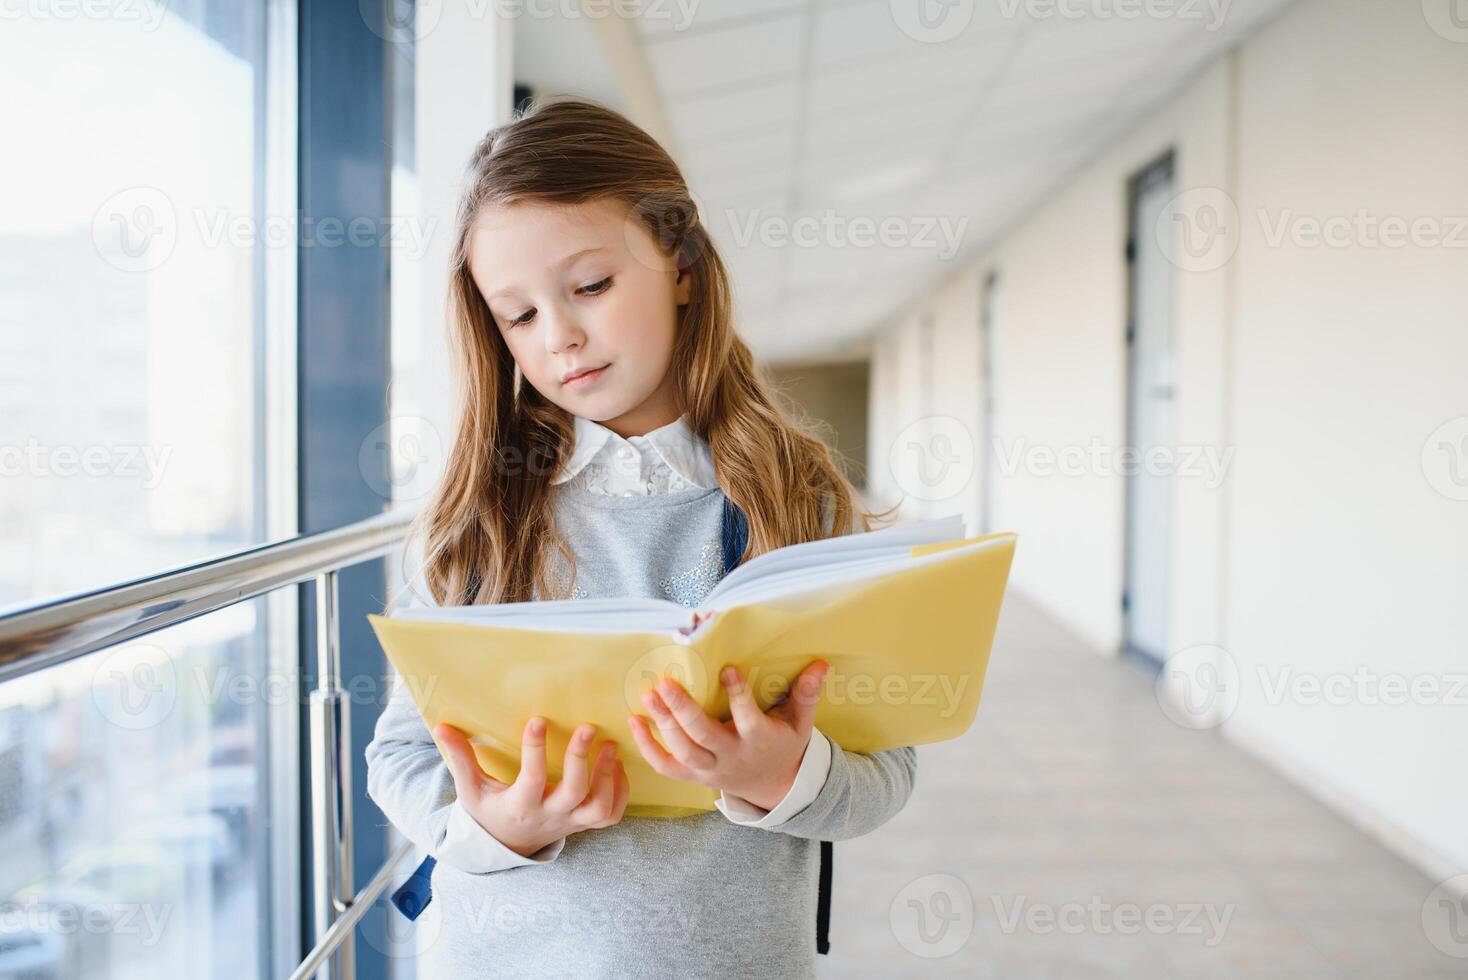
582 380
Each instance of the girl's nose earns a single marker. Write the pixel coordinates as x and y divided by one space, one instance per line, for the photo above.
562 331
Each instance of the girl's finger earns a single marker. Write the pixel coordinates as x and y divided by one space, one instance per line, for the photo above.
459 757
621 789
531 779
742 707
571 790
662 763
706 733
805 694
593 811
678 740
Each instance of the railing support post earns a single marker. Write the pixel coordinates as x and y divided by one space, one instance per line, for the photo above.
331 774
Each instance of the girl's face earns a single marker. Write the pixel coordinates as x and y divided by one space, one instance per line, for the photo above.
579 287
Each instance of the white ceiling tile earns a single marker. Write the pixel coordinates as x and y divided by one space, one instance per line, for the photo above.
1246 16
887 121
957 139
855 33
720 195
688 63
662 19
827 170
1105 41
1039 91
734 157
745 110
970 68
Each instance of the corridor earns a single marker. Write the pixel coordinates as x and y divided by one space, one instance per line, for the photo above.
1075 813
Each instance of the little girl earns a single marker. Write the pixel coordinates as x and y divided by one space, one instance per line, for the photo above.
610 412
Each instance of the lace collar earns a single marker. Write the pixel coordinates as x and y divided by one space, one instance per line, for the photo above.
671 457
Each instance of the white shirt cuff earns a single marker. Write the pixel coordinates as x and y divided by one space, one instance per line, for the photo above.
469 847
814 768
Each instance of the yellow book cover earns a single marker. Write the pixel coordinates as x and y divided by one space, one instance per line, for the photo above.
907 640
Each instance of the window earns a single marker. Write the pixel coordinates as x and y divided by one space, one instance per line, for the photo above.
148 793
132 265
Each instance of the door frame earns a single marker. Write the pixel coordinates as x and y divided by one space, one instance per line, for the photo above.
1163 168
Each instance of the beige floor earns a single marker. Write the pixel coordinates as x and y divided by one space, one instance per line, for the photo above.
1074 805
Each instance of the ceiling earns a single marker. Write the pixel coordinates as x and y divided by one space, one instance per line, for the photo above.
803 125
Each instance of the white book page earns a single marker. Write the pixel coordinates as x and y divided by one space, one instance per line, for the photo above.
832 552
796 588
629 615
778 573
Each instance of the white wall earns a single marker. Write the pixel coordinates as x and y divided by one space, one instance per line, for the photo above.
1343 554
1060 355
1325 368
463 87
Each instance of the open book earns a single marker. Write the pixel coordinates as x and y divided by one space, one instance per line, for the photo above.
905 617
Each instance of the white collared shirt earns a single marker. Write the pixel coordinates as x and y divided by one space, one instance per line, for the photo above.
667 459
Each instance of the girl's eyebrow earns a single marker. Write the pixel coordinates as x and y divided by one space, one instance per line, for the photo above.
559 265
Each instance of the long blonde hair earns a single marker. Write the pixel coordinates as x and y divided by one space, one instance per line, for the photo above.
488 532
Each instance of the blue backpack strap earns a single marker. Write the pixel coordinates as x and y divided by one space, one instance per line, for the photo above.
735 537
413 896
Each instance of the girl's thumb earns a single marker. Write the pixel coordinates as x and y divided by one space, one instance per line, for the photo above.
458 755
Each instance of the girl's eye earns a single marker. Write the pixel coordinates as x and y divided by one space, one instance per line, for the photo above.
595 289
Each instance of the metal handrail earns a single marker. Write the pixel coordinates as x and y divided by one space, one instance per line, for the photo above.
54 632
341 929
35 637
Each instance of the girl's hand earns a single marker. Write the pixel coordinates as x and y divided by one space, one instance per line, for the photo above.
754 755
526 816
